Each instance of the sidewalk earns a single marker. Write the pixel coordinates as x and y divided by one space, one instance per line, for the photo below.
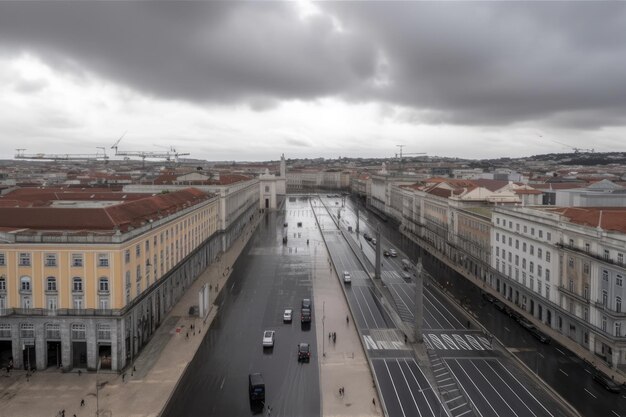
140 393
344 363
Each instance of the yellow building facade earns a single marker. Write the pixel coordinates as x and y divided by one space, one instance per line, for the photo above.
76 297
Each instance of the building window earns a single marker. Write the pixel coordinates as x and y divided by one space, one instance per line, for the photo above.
26 302
78 302
103 284
510 242
540 233
52 302
516 243
603 324
547 274
525 229
586 314
605 275
103 260
549 236
547 256
532 231
539 253
137 250
127 256
586 292
532 250
516 260
78 332
138 273
104 303
570 262
3 284
77 259
587 247
571 285
127 286
619 280
524 246
77 284
571 243
620 258
606 254
53 331
51 284
618 304
531 267
547 291
539 270
2 259
25 284
497 251
27 331
618 329
586 268
147 245
24 259
523 263
104 331
50 259
517 227
605 298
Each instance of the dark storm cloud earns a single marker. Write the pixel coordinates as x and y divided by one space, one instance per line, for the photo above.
499 63
450 62
200 51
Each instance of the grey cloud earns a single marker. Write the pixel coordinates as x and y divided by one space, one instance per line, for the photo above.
200 51
297 142
474 63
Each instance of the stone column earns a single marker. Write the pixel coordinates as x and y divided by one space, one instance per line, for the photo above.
41 351
66 345
92 344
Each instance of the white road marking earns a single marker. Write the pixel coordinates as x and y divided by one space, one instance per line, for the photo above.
560 351
507 329
588 392
528 392
394 389
615 413
563 372
222 384
589 372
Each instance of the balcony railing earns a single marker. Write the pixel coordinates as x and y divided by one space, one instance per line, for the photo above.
573 294
62 312
600 257
609 312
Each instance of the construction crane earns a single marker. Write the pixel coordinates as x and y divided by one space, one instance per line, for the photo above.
168 155
400 155
62 157
575 149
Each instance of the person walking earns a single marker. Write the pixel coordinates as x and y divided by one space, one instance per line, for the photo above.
334 337
347 320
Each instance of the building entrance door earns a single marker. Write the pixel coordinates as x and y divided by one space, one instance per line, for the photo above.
54 354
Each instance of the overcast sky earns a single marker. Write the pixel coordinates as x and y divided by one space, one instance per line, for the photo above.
252 80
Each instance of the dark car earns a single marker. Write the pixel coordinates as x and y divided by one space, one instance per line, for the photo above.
386 252
366 236
500 305
539 335
606 382
305 315
524 322
304 352
489 297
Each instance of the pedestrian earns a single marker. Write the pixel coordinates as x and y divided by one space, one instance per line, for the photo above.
405 339
330 335
124 377
347 320
334 337
187 336
80 372
374 401
63 413
82 402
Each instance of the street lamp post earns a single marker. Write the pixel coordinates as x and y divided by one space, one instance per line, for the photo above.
323 329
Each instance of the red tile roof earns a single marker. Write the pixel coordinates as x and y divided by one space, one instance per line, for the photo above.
120 216
609 218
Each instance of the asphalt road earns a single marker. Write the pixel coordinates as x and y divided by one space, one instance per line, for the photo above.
467 353
267 278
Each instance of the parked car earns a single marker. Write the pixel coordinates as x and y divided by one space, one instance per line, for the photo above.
524 322
367 237
287 315
539 335
489 297
268 338
386 252
500 305
346 277
305 315
373 241
393 253
304 352
606 382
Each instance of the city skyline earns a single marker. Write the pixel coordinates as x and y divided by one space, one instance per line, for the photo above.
250 81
